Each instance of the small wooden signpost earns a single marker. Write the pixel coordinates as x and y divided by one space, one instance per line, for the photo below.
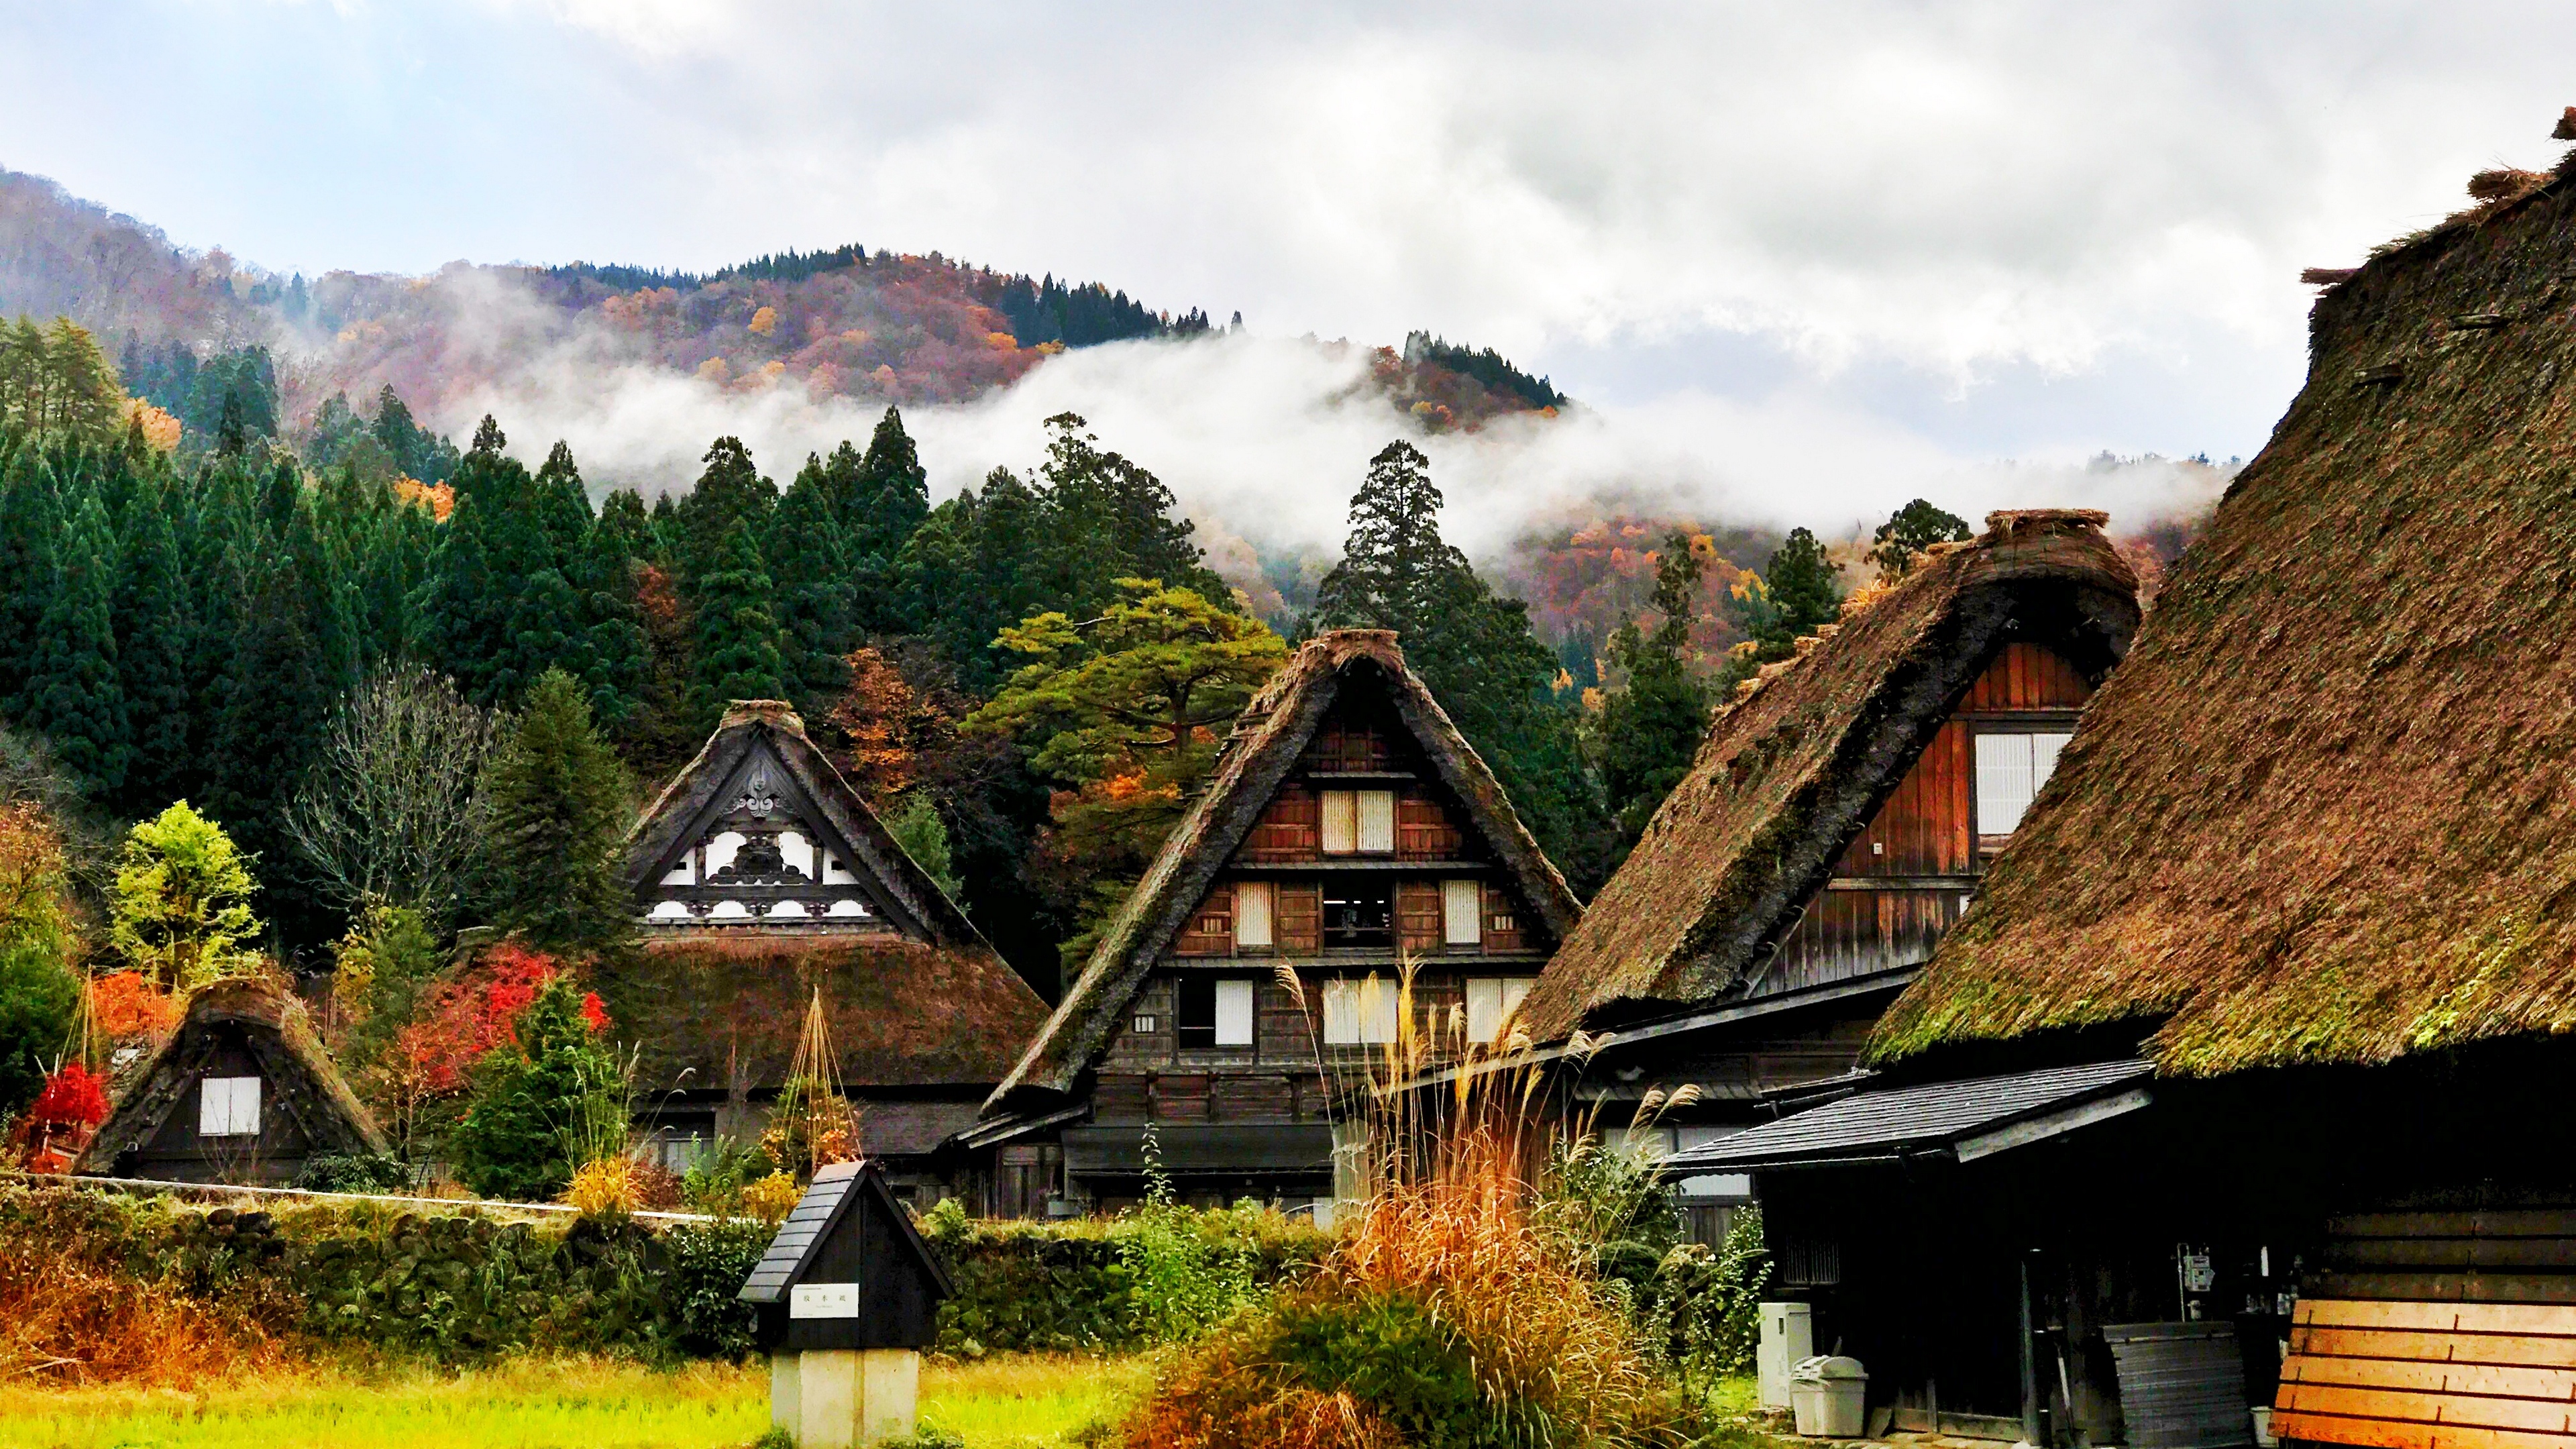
848 1295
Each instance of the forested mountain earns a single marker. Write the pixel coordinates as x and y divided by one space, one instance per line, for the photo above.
844 322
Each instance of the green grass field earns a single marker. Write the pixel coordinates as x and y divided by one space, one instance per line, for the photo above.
1017 1402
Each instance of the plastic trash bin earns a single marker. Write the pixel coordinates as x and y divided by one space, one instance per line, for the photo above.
1829 1396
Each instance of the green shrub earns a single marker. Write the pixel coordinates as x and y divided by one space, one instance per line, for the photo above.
709 1262
1384 1349
542 1106
356 1172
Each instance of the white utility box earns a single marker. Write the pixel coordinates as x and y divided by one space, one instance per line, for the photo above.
1788 1338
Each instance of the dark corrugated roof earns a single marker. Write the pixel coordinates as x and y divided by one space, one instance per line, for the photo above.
798 1236
1909 1119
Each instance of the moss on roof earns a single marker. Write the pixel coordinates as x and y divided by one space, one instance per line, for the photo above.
902 1014
1792 770
2322 813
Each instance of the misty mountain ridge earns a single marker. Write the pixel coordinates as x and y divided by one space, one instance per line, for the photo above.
850 323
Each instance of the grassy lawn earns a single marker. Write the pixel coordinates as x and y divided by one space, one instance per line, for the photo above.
1015 1402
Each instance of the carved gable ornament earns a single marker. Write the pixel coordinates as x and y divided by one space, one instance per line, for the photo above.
764 857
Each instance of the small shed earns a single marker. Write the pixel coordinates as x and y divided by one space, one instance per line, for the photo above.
242 1092
848 1295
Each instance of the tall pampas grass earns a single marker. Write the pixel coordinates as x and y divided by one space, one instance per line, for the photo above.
1448 1310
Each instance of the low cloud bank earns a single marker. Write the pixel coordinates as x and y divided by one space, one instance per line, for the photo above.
1267 438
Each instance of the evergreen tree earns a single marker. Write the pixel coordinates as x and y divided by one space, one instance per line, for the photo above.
27 526
1900 541
180 912
975 567
730 491
1650 729
1798 594
543 1104
809 567
1109 519
156 635
881 501
75 698
1475 651
553 841
737 618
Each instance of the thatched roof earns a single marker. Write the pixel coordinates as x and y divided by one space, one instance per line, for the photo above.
1257 756
305 1084
1793 769
706 1012
2322 813
672 822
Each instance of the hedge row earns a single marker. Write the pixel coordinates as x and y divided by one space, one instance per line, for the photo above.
466 1285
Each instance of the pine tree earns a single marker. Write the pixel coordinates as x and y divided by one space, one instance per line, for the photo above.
27 526
538 1101
1476 652
156 633
1109 519
555 797
75 698
1650 729
972 569
737 618
808 562
881 501
730 491
1900 542
1798 594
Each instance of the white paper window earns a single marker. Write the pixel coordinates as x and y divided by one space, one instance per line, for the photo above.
1341 822
228 1107
2010 770
1360 1013
1491 1000
1252 902
1462 912
1233 1013
1377 822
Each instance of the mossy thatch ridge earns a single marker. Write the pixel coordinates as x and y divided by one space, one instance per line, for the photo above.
1792 770
2322 813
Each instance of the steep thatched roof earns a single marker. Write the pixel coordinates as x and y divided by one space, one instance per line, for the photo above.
1266 741
273 1025
1791 772
2322 814
672 821
717 1012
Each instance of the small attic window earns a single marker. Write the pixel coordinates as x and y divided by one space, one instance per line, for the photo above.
228 1107
2010 770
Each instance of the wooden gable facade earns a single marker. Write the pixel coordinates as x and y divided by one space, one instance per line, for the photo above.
1837 824
763 881
1911 873
241 1093
1350 831
760 835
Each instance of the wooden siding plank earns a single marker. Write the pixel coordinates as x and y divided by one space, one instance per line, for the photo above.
1419 923
2494 1381
1300 922
2386 1434
2466 1286
2497 1223
2490 1413
2538 1320
1211 928
2532 1350
2541 1253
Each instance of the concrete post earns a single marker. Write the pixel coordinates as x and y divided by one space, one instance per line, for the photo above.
848 1398
783 1411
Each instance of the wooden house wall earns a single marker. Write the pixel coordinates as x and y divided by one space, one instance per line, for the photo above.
175 1152
1144 1075
1907 877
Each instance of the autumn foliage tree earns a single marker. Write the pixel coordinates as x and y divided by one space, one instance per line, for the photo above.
546 1100
1126 710
181 907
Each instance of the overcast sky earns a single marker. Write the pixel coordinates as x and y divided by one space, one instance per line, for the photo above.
1907 238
